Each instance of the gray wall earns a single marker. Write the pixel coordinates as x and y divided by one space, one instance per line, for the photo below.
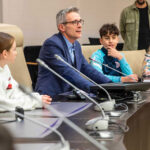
36 18
1 19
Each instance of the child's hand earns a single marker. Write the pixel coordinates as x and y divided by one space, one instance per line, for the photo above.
46 99
114 53
130 78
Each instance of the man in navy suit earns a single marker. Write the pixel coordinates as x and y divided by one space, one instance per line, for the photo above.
65 44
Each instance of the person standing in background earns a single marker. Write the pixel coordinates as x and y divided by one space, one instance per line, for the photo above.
135 26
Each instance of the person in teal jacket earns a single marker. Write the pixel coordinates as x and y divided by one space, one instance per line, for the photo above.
108 55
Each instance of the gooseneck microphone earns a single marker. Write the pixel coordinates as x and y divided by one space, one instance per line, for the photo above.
107 105
62 60
42 63
20 115
99 123
67 121
111 68
104 105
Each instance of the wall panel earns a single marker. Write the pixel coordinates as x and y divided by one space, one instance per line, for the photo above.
1 11
37 17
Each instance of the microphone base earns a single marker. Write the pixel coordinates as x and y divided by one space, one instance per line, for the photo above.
102 135
66 146
58 146
106 106
114 113
98 123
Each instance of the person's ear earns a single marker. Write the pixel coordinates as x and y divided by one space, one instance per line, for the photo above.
61 27
100 40
4 53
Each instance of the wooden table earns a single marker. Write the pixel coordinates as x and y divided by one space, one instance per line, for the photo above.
137 138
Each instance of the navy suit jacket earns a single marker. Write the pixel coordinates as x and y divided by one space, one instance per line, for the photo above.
50 84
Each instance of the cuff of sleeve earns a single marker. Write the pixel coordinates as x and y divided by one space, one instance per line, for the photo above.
119 79
38 100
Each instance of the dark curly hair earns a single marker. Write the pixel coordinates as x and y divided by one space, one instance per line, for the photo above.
108 28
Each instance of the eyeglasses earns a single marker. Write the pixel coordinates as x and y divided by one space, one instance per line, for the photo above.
75 22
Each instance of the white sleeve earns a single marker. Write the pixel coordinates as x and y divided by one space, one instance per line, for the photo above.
12 97
26 102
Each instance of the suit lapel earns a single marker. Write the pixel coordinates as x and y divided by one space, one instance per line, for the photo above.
65 49
76 56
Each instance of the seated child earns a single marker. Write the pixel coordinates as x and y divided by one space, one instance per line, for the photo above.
110 56
10 95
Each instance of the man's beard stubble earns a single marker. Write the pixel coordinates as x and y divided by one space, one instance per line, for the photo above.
140 3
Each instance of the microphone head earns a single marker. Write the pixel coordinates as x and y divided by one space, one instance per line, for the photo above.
40 61
97 124
58 57
90 58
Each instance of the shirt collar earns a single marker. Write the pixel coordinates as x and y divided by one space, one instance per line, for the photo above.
69 44
134 6
2 68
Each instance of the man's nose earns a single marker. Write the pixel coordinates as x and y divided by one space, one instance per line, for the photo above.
79 24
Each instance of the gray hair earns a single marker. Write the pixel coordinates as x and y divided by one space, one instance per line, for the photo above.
61 15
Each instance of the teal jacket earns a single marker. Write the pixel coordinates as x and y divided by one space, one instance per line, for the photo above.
122 64
129 26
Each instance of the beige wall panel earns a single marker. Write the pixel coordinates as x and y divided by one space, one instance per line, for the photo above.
1 11
98 12
37 17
